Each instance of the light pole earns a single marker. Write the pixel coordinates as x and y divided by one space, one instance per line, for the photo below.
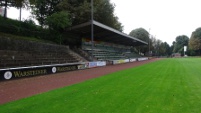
92 27
149 40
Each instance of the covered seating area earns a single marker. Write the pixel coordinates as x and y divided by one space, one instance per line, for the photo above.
105 43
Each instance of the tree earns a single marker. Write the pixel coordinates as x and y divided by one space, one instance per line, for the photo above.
141 34
164 49
57 23
195 41
195 44
157 47
43 8
104 13
79 10
180 42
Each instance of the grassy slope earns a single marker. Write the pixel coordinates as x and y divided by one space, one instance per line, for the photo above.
166 86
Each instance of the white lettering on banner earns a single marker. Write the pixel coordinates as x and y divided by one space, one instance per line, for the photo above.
67 68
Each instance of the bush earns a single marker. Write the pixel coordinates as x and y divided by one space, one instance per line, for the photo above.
26 28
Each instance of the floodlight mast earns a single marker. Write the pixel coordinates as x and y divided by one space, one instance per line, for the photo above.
92 28
149 41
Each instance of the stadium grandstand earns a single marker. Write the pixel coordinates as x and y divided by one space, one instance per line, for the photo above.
108 44
28 58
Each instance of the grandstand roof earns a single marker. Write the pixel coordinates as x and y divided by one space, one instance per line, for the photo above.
105 33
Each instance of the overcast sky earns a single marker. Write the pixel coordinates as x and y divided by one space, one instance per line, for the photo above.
14 13
166 19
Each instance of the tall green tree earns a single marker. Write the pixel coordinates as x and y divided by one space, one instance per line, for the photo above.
180 42
79 10
172 46
104 13
195 41
157 47
57 23
164 49
141 34
41 9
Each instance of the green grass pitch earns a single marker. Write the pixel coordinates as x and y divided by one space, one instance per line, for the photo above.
164 86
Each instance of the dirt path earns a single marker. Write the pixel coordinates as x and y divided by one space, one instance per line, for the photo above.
21 88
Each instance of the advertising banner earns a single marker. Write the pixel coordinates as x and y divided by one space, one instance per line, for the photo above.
95 64
126 60
133 59
101 63
92 64
142 59
120 61
15 73
87 65
81 66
